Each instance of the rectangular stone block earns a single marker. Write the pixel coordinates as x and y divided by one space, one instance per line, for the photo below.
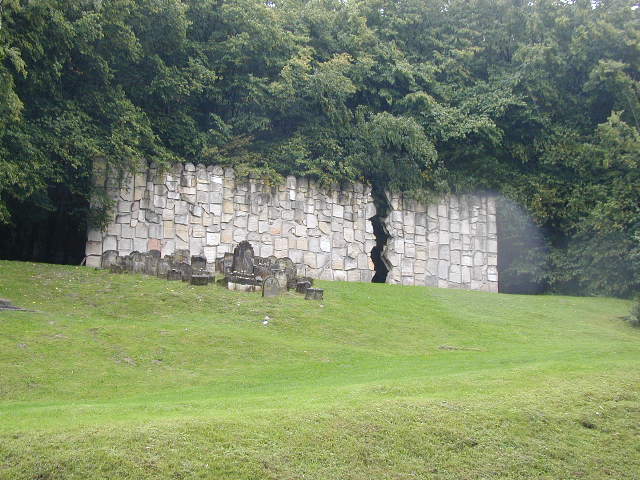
353 276
443 269
142 231
181 219
195 246
93 261
266 250
340 276
466 274
455 274
310 259
281 243
443 210
110 242
213 238
227 207
182 232
337 211
140 244
95 235
210 254
93 248
325 244
297 256
407 266
226 236
216 211
124 219
197 231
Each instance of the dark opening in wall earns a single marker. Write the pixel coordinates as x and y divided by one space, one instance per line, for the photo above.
377 252
381 233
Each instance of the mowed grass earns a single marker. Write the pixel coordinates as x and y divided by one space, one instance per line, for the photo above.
127 376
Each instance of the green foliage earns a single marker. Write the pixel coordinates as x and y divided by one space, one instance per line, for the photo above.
537 100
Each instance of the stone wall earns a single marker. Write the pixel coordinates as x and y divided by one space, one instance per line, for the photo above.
207 210
449 244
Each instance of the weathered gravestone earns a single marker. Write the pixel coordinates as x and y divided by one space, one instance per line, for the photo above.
185 270
281 276
174 274
164 265
262 267
290 270
151 262
127 263
110 257
314 294
271 287
225 264
198 263
243 258
301 286
137 262
242 276
199 279
115 268
181 256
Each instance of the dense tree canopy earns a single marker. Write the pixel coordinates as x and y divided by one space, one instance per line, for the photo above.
538 100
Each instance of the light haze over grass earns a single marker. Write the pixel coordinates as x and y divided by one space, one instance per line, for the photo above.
126 376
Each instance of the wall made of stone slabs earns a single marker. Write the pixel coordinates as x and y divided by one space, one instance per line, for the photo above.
451 243
208 211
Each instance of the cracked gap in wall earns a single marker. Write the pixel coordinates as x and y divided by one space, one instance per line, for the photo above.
378 252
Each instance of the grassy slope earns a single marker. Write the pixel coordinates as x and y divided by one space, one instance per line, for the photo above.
135 377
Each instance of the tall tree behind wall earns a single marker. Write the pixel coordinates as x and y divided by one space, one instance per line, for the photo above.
537 100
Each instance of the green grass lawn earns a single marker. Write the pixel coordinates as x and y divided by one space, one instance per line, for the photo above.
127 376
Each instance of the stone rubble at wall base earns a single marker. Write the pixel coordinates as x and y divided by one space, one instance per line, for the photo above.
207 211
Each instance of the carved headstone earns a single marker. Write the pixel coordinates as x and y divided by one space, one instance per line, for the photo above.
244 283
227 263
116 268
198 263
243 258
314 294
185 270
110 257
137 262
164 265
181 256
127 263
151 262
271 287
262 267
302 286
174 274
199 279
281 276
169 260
290 270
